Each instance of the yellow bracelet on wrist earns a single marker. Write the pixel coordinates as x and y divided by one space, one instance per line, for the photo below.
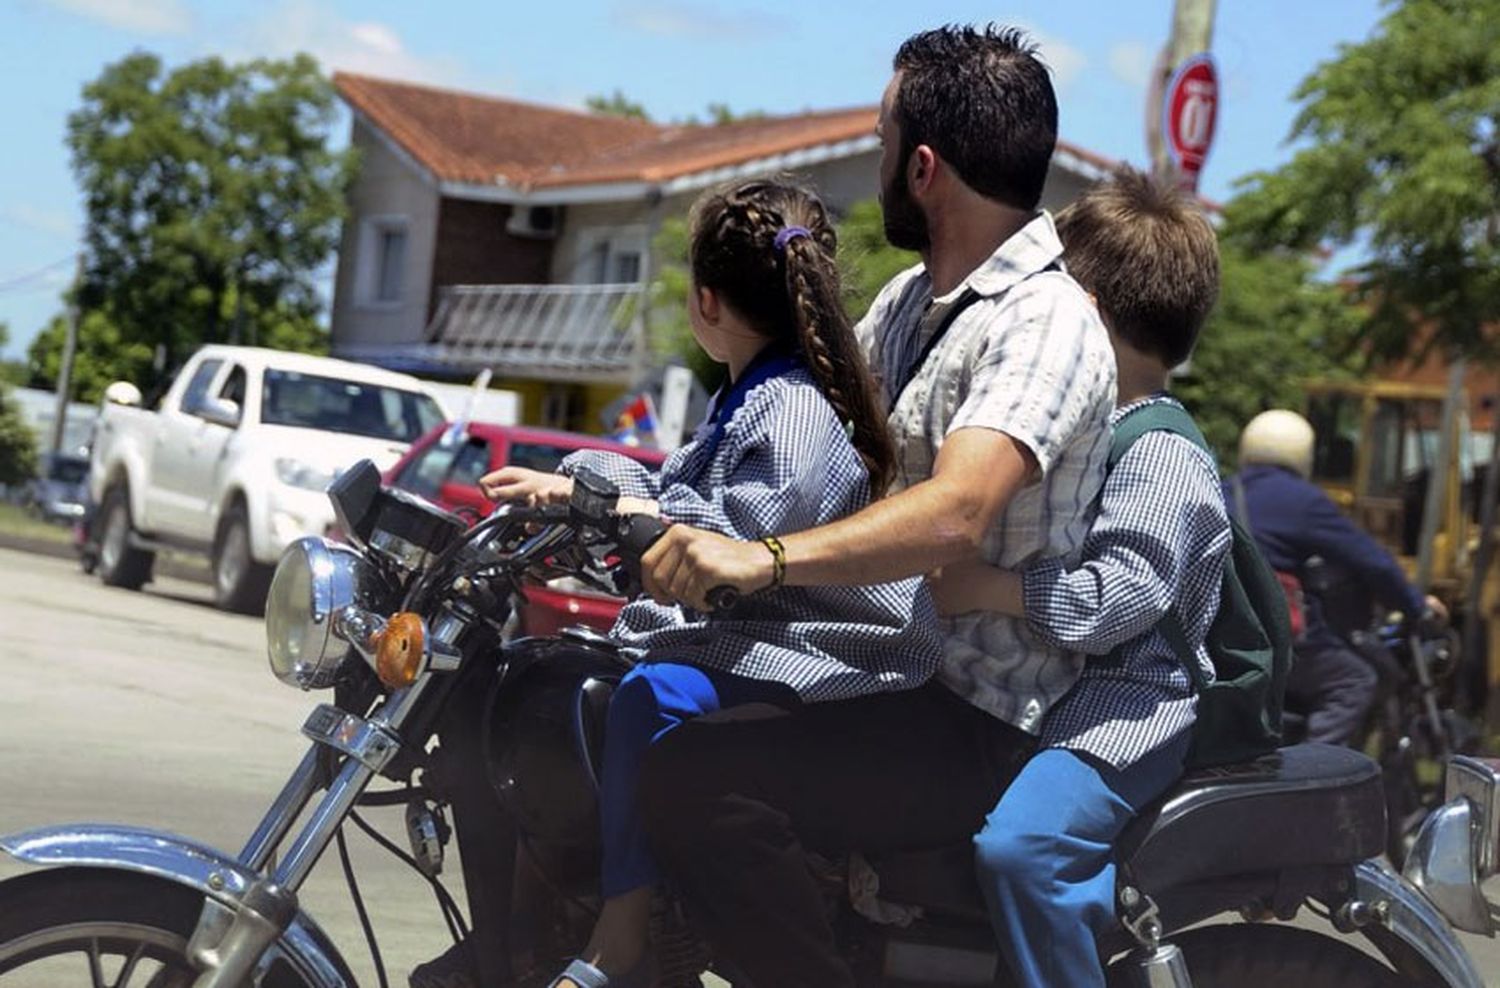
778 560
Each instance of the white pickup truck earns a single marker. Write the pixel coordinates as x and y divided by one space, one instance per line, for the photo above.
234 461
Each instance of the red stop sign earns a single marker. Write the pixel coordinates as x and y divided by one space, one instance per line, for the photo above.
1190 108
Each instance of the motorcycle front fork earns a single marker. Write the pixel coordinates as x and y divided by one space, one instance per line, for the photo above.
231 936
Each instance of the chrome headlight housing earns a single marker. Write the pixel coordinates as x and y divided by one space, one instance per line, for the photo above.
315 580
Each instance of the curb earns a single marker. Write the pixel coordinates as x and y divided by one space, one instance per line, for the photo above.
37 545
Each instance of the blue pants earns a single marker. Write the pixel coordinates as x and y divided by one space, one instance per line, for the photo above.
1046 864
650 701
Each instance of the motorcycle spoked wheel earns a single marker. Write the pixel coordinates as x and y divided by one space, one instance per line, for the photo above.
102 929
1256 955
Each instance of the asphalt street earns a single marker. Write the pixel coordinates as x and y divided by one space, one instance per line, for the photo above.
155 709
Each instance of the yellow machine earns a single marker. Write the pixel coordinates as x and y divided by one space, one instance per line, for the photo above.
1377 446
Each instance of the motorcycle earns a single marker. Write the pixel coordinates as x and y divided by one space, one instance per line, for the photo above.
1412 728
406 623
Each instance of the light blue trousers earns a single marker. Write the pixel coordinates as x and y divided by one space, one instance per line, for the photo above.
1046 863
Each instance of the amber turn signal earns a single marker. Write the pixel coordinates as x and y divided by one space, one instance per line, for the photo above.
403 647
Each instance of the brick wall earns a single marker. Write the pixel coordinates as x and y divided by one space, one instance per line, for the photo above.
474 249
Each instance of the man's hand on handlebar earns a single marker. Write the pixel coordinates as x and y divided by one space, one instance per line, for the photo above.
1436 611
529 487
686 563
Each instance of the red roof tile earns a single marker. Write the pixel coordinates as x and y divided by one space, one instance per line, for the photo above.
466 137
473 138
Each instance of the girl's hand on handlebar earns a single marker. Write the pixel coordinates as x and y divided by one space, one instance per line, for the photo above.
637 506
529 487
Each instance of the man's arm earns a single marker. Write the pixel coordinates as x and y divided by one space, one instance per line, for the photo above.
1334 537
939 521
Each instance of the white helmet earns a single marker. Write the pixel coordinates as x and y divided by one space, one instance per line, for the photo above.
1278 438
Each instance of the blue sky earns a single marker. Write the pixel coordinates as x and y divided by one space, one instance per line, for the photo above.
675 56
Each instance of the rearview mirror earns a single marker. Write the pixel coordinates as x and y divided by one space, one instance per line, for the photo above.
220 411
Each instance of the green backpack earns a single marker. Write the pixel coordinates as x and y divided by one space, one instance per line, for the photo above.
1250 640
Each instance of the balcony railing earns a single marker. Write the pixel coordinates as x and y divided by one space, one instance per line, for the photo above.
590 333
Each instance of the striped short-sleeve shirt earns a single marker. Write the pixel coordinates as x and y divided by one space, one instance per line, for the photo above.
1030 358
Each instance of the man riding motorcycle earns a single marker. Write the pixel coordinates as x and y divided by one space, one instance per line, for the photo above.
1294 521
1000 381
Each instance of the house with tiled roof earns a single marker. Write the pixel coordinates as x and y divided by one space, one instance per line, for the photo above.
491 233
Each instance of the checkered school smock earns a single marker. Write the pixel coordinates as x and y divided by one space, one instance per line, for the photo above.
783 463
1158 546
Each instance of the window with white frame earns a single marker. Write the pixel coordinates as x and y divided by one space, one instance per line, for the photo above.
610 255
383 260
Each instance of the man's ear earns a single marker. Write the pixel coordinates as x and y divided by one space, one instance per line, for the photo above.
921 169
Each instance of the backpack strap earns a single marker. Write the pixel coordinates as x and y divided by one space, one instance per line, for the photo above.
966 299
1162 416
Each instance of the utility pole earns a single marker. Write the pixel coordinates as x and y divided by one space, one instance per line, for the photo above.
1192 32
65 374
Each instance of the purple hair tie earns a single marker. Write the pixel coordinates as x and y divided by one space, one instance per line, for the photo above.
789 233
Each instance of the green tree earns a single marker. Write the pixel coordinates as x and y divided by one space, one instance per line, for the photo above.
616 104
17 442
1269 304
866 257
12 372
211 200
1403 155
103 355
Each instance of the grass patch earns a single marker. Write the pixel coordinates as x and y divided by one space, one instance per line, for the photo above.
14 520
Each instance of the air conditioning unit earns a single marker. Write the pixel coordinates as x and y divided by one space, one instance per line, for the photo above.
536 222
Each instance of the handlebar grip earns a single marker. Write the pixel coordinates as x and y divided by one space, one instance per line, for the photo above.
723 598
637 534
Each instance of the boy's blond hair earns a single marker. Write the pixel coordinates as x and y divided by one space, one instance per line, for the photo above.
1149 256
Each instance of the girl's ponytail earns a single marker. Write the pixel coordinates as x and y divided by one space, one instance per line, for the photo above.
834 357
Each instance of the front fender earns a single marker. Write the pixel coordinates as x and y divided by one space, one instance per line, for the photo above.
186 862
1407 914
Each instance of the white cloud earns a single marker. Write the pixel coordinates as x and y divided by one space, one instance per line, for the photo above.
356 46
138 16
700 22
1131 63
1063 59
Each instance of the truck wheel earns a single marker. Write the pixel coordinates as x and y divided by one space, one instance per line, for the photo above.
120 563
240 583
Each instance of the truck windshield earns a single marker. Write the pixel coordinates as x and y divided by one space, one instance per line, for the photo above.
308 401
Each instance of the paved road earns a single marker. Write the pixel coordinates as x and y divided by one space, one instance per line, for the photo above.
155 709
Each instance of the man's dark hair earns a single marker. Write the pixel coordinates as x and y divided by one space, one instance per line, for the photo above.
1150 258
983 101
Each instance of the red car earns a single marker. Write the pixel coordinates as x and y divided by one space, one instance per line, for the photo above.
449 476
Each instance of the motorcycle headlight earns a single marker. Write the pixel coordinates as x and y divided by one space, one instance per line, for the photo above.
295 473
315 580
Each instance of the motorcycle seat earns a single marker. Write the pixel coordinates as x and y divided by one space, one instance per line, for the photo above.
1308 805
1303 806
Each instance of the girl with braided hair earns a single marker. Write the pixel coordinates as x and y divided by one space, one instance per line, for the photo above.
796 439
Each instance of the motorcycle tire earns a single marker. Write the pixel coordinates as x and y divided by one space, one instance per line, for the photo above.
103 929
120 563
1255 955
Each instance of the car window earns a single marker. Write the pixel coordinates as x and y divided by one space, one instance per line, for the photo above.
424 474
68 469
472 462
311 401
197 389
233 388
